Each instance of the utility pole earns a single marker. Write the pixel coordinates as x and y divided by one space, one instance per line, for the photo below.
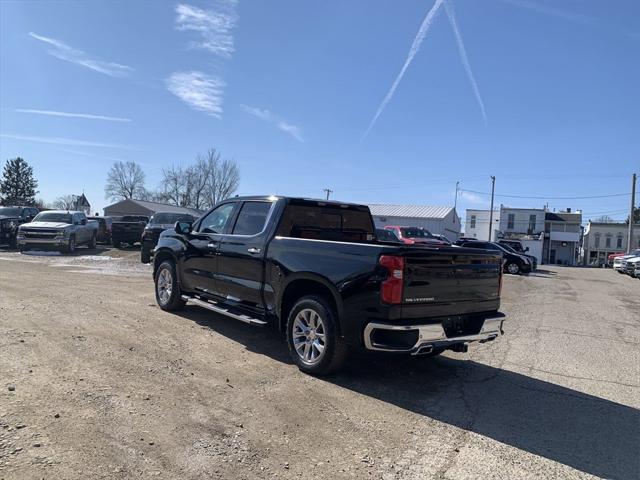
329 192
633 204
493 188
455 202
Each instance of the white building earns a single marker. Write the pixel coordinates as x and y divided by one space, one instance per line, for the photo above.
477 224
528 221
602 239
441 220
523 224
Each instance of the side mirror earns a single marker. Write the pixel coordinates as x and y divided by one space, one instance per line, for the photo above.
526 249
183 227
83 221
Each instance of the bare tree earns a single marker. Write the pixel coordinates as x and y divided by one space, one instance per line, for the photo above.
65 202
125 180
224 178
604 219
201 185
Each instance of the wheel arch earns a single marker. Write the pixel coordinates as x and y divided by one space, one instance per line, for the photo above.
307 284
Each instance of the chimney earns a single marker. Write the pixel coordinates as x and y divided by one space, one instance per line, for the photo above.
568 210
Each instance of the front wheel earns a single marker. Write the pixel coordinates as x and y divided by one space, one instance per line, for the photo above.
71 246
513 268
312 336
145 255
168 293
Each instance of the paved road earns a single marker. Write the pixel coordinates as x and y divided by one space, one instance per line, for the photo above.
142 393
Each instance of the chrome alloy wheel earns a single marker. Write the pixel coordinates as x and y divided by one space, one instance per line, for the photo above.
165 285
513 268
309 336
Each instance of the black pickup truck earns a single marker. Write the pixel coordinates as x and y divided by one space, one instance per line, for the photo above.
128 229
315 270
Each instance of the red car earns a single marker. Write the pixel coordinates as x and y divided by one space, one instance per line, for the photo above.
416 236
612 256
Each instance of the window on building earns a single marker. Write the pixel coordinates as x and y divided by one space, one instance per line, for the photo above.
597 238
619 242
511 220
473 221
607 241
532 222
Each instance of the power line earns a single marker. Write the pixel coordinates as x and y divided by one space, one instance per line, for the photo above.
550 198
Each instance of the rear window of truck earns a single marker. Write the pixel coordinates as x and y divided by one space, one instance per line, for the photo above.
327 222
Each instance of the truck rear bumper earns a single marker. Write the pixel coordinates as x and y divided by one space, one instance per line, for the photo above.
423 338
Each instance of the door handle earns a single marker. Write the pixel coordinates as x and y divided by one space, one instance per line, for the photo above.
254 250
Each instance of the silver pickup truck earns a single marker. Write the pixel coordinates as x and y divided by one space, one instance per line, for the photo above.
59 230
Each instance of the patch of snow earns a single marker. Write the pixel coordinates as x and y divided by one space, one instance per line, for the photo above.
42 253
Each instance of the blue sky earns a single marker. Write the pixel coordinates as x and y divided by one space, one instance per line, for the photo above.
290 90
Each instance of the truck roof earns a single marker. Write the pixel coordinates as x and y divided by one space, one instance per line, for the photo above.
297 199
65 211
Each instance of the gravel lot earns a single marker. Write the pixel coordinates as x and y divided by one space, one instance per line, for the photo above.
97 382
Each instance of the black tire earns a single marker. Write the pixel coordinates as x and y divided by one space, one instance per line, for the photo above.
145 255
334 353
93 242
13 243
513 268
71 246
172 301
117 243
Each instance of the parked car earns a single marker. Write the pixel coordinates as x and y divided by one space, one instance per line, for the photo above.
611 257
105 225
514 263
384 235
315 270
128 229
532 258
636 272
629 265
415 236
57 229
10 219
618 261
158 223
442 238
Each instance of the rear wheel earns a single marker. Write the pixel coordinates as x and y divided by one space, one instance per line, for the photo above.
117 243
312 336
512 268
145 255
168 293
93 242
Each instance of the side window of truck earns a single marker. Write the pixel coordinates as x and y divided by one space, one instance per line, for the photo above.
217 220
252 218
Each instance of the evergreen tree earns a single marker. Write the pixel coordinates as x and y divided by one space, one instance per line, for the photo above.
17 186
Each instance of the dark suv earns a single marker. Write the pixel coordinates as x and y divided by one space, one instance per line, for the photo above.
157 224
514 263
10 219
104 228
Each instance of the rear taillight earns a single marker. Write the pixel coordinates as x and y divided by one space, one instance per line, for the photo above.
391 290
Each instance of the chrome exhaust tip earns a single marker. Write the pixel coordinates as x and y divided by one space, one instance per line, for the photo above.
424 349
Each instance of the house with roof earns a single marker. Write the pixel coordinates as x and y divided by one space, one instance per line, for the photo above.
440 220
130 206
82 204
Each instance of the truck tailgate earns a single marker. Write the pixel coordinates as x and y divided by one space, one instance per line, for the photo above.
450 281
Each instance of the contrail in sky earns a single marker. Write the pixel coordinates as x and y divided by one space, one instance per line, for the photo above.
415 46
448 7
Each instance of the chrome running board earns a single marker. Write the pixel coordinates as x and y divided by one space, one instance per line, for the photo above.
214 307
